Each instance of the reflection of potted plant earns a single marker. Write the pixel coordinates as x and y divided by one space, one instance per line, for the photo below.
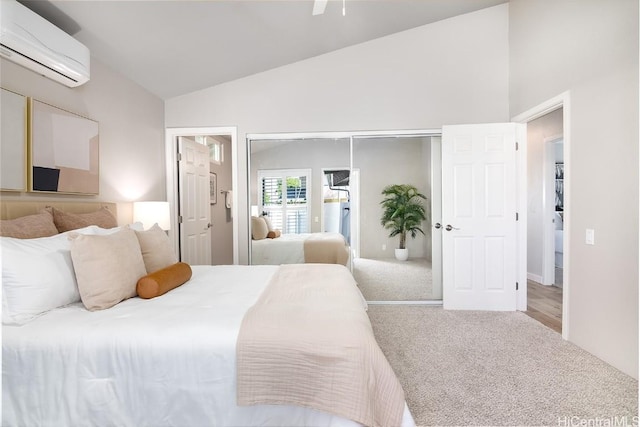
402 213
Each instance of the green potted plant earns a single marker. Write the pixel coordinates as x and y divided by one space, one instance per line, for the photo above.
402 212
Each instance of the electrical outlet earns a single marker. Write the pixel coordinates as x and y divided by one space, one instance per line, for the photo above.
590 237
384 247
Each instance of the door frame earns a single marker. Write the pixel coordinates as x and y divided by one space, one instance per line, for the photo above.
171 135
563 101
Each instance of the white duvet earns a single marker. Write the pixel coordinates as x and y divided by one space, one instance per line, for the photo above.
168 361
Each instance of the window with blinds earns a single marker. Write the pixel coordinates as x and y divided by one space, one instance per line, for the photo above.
285 198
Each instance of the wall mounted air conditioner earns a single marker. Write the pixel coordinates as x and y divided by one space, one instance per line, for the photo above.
28 39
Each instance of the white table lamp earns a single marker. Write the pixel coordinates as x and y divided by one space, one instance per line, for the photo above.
149 213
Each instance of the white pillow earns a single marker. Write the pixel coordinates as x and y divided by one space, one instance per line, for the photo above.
37 276
107 267
136 226
267 221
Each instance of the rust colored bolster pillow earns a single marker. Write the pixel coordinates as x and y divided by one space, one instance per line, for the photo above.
162 281
274 234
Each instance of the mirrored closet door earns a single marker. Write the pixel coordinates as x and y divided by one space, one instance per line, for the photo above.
394 162
332 186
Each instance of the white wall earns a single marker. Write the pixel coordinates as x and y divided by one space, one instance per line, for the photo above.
132 165
590 48
537 130
452 71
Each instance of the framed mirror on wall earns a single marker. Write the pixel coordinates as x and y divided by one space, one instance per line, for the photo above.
331 183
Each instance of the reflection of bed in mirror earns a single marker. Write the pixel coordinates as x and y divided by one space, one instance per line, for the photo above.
292 183
326 248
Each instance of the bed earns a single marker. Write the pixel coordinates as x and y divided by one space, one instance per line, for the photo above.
329 248
193 355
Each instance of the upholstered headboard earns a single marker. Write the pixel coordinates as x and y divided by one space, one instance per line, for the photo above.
11 209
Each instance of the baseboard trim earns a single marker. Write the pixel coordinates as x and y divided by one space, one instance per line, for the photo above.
536 278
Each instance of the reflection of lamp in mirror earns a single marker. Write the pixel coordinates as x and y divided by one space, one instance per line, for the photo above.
254 210
149 213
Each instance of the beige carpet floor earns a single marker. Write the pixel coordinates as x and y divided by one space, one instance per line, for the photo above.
392 280
495 369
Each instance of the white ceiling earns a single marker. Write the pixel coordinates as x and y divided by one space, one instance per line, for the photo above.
176 47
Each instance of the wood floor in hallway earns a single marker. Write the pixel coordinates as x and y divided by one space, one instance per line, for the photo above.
544 303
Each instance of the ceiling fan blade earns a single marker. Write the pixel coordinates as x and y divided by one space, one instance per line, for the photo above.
319 6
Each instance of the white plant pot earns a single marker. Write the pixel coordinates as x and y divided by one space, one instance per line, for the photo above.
402 254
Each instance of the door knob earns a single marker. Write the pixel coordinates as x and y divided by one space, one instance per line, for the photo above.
450 227
208 226
437 225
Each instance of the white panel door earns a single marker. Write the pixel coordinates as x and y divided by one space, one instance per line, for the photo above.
479 216
195 228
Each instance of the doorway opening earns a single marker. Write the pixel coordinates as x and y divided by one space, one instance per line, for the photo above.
545 218
213 199
548 212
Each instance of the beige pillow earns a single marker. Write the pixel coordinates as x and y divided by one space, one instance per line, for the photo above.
156 248
259 229
29 227
107 267
66 221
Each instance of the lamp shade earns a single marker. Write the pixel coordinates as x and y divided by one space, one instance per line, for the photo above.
149 213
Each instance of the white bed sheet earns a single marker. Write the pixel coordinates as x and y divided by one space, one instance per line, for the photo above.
165 361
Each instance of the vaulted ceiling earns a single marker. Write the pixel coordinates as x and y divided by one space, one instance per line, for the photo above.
176 47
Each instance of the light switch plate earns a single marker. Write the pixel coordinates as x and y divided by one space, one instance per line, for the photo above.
590 237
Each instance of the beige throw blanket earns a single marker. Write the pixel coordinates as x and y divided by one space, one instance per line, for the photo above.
308 341
326 248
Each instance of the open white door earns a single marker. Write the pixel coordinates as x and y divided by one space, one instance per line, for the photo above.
479 216
194 210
